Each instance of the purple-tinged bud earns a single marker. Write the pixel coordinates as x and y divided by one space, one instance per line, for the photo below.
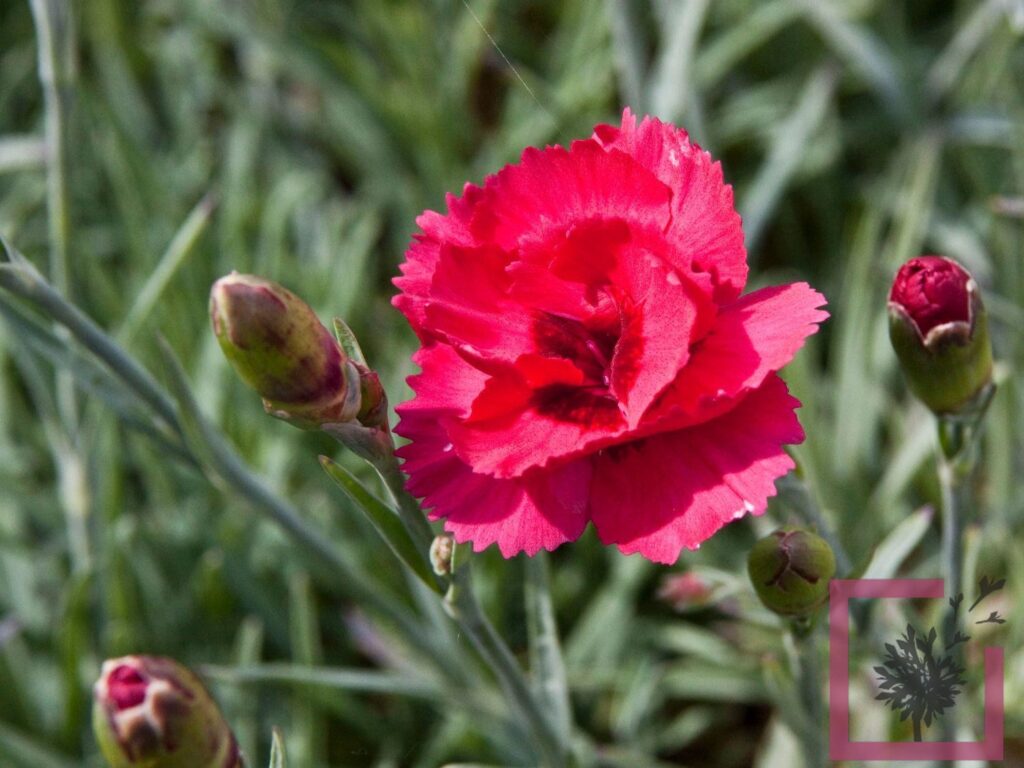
684 591
153 712
280 348
790 570
939 330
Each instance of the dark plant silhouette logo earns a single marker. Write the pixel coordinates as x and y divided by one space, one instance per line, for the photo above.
918 679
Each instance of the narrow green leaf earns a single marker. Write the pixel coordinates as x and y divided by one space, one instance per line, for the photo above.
243 713
628 48
20 152
357 680
22 279
788 148
277 755
949 66
894 548
180 248
546 662
385 520
347 338
861 50
722 55
24 751
672 80
307 722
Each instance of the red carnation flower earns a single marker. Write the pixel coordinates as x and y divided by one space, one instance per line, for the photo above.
587 356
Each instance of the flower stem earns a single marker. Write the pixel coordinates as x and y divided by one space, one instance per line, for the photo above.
955 461
809 684
464 607
462 604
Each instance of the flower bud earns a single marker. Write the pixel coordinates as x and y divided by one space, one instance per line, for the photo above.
278 346
939 330
790 570
153 712
441 550
684 590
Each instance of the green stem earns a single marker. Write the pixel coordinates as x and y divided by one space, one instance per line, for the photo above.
22 279
466 610
809 684
952 492
955 462
408 508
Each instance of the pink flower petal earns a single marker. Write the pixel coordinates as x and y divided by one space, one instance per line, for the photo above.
705 229
422 257
530 430
667 312
751 338
527 514
552 189
673 491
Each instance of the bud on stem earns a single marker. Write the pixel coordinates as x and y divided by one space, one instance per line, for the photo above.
790 570
280 348
152 712
939 331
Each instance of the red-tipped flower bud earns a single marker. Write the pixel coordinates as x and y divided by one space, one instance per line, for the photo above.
279 347
939 330
790 570
153 712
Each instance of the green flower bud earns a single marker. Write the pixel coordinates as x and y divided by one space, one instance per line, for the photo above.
151 712
939 330
279 347
790 570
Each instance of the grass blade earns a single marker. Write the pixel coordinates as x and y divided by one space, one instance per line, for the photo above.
180 248
21 152
860 49
628 49
301 676
27 752
785 154
546 662
671 82
897 546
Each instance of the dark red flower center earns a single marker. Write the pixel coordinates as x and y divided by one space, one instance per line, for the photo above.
591 348
126 687
932 290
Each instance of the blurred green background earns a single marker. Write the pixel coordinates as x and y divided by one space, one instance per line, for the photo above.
299 139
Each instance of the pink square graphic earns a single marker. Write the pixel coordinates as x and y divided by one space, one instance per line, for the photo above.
841 591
